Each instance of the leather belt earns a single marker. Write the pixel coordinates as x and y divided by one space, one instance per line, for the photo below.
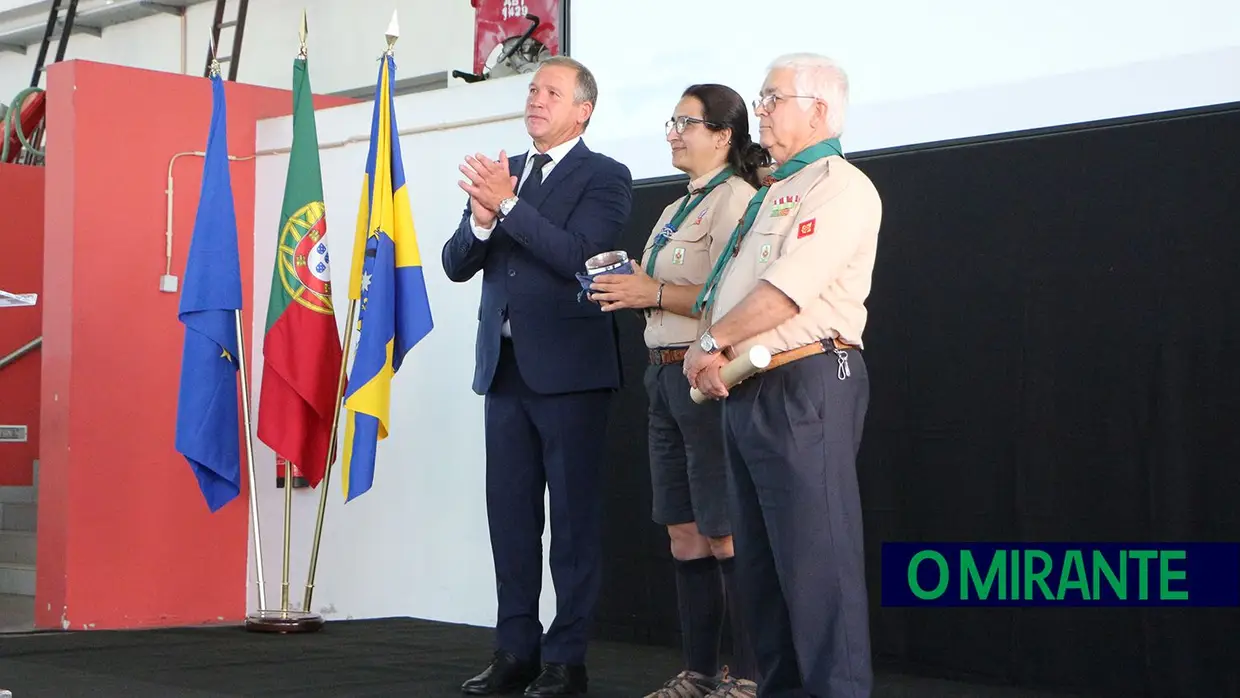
659 357
819 347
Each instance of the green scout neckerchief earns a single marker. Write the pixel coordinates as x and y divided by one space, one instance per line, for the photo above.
794 165
687 205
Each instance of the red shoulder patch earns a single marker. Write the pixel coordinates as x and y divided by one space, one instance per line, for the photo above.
806 229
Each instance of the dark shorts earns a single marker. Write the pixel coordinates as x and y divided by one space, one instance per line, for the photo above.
688 473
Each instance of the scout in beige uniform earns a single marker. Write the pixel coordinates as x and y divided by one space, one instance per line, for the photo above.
795 280
709 138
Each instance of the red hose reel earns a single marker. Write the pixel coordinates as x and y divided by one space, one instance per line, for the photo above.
23 120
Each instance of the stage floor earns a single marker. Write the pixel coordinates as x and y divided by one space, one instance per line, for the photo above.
389 657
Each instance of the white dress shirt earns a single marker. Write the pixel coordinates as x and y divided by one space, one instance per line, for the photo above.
557 153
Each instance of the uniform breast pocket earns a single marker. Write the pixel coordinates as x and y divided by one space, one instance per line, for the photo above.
765 246
687 254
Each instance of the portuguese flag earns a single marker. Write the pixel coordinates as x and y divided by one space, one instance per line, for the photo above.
301 349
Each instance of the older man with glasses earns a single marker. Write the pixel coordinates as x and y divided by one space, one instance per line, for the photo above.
794 280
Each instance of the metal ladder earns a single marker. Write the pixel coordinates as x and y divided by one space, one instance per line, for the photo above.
237 25
53 20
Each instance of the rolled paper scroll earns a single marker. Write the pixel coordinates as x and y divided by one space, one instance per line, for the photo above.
737 370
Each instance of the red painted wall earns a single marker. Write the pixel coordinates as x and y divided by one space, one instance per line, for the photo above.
125 539
21 271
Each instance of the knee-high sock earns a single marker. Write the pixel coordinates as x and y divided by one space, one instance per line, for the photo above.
700 596
744 666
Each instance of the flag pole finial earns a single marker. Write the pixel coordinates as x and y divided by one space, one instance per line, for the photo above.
393 33
213 47
304 30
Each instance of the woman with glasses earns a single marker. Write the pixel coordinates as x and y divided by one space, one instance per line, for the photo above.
710 142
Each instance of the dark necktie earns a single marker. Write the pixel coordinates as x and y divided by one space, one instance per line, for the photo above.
534 181
531 185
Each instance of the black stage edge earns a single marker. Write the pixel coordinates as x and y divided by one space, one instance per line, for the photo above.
1054 349
388 658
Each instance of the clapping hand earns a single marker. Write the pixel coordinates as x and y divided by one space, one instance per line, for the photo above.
488 184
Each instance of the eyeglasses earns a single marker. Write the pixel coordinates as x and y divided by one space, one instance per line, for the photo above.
680 123
767 103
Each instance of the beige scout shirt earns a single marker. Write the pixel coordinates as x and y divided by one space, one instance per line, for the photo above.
814 239
690 254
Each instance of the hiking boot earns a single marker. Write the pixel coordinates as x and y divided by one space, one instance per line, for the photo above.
687 684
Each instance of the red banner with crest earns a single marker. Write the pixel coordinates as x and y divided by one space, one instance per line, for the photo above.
498 24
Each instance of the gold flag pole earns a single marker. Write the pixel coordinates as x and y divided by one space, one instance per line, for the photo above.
331 457
284 620
392 34
288 468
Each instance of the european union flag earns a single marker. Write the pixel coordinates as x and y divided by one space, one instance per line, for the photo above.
208 432
387 279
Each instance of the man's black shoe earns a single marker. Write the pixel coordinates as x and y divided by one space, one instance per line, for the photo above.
506 674
558 680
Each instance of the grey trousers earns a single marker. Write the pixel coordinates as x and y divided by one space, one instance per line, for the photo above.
791 437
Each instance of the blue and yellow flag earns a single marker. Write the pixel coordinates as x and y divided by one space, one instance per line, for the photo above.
208 426
387 280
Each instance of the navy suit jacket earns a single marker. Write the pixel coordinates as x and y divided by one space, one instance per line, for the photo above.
528 267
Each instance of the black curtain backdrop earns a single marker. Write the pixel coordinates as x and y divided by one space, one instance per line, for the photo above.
1053 348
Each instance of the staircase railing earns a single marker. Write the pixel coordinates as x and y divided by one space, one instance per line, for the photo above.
21 351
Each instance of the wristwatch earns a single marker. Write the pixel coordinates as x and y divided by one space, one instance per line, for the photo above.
505 206
708 343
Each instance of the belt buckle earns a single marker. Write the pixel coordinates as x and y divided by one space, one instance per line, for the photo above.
666 355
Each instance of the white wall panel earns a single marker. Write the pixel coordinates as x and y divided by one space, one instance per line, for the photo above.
417 543
919 71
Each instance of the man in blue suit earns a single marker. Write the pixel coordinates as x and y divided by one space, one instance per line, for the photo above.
547 363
